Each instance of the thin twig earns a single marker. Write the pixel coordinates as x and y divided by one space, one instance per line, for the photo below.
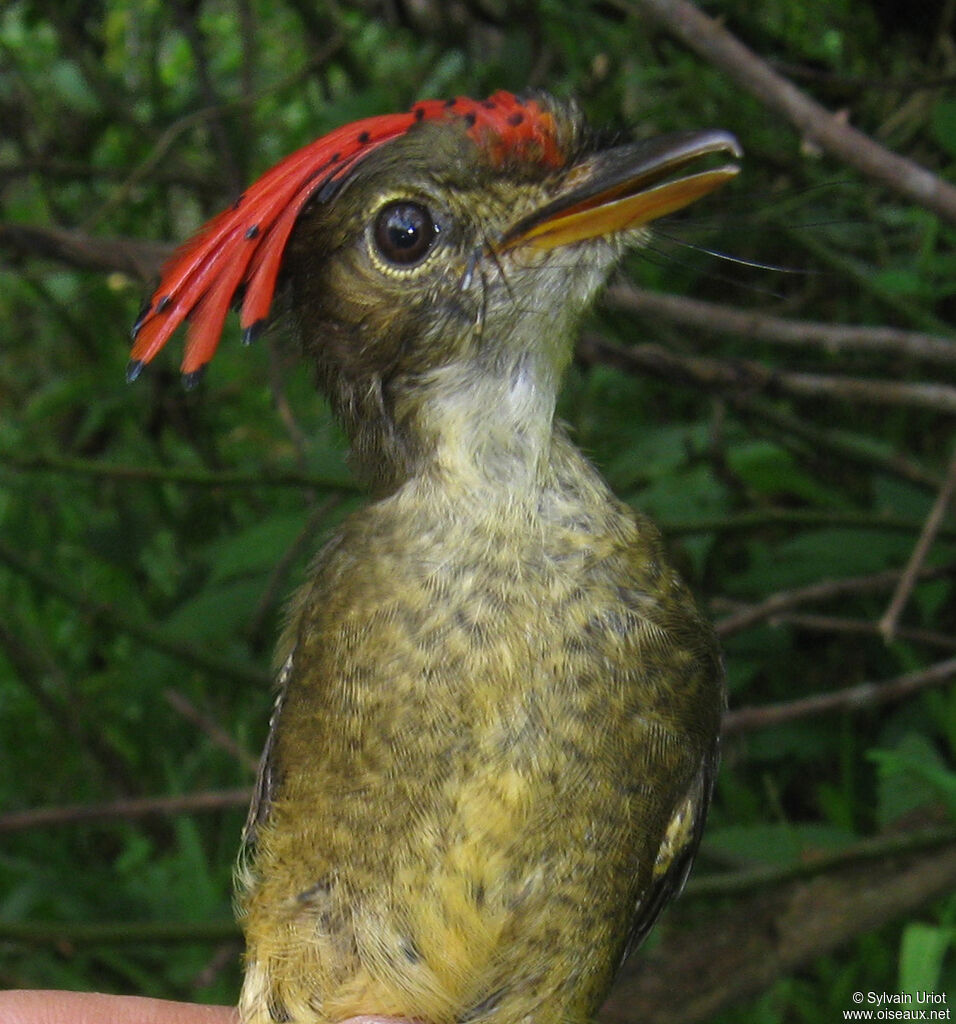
213 730
40 673
872 848
752 519
51 167
862 627
851 698
132 256
862 83
223 957
121 933
174 474
741 323
750 377
125 810
859 273
795 432
708 38
888 623
227 149
214 112
286 414
826 590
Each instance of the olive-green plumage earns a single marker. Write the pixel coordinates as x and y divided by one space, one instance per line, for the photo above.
497 728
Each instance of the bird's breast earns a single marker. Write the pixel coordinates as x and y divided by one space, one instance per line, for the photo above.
462 818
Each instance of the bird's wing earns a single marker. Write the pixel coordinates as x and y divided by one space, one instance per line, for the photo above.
264 788
675 856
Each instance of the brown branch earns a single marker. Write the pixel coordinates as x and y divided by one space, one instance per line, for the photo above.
888 623
125 810
142 259
851 698
710 40
794 431
826 590
810 863
861 83
861 627
720 319
119 933
213 730
695 970
50 167
730 955
751 377
95 468
130 256
925 395
771 515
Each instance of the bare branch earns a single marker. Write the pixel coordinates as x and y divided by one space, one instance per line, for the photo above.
798 432
861 627
826 590
174 474
751 377
77 170
851 698
696 971
116 933
278 577
214 114
715 44
809 864
126 810
130 256
741 323
181 704
888 624
751 519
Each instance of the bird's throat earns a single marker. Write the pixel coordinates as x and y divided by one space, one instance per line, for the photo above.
481 426
482 430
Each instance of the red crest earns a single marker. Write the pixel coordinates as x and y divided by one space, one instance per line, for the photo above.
240 250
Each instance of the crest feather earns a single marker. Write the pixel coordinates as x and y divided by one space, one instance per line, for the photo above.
239 251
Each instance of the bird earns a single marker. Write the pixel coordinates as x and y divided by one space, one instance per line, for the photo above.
497 724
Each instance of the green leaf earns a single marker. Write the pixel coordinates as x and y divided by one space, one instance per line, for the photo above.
779 844
254 550
770 470
902 281
943 125
910 776
217 612
827 553
922 950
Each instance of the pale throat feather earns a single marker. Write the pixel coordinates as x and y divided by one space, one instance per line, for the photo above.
487 430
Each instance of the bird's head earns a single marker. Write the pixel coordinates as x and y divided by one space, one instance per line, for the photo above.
438 261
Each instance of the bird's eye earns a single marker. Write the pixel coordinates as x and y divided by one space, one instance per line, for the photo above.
404 232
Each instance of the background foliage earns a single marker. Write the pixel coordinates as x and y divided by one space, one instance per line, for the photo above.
149 536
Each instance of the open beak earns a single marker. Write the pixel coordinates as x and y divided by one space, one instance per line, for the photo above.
622 188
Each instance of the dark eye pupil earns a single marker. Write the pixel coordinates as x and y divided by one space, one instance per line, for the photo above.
404 232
